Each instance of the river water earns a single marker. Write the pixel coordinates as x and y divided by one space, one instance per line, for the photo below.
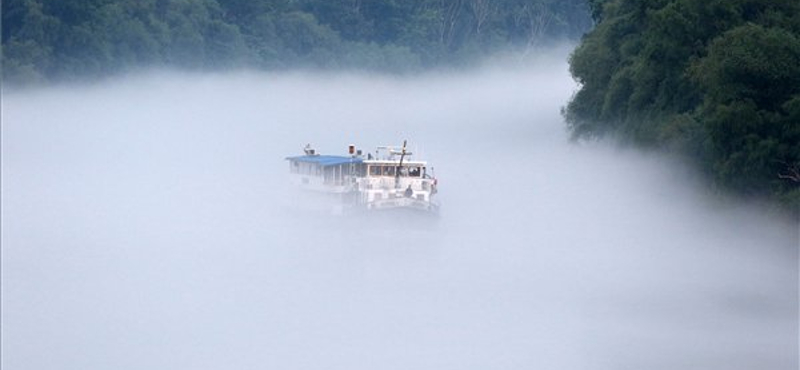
147 224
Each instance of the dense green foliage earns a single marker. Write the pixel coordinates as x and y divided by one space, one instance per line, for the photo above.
716 81
55 39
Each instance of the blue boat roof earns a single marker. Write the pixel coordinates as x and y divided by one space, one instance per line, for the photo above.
325 160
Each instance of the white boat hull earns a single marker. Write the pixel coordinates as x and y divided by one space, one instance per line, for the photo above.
403 203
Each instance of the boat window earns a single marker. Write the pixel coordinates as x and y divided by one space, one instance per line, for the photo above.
404 171
413 171
374 170
388 171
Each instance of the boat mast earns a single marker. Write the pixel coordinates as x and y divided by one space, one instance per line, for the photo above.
397 170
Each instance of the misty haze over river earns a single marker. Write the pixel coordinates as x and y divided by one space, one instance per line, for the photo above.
148 224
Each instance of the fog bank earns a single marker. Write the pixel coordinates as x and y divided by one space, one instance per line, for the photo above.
147 223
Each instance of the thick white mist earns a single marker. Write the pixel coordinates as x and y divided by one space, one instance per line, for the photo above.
147 224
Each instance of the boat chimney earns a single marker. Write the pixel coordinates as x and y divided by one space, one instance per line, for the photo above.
351 149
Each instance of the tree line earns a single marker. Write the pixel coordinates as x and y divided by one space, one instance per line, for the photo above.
45 40
716 82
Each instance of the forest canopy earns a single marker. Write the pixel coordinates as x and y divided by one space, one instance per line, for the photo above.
717 82
45 40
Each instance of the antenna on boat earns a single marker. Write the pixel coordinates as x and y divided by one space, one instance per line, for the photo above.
400 166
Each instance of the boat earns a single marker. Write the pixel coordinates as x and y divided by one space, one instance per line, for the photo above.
388 180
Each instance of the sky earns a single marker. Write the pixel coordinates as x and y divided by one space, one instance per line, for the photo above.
148 222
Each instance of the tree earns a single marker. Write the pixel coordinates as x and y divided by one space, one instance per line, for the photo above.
69 39
751 77
713 81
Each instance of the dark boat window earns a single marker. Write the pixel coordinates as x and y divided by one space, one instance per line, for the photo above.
388 171
374 170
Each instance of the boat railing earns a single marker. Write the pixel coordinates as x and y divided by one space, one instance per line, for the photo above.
417 184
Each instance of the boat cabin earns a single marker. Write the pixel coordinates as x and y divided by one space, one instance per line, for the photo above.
325 170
